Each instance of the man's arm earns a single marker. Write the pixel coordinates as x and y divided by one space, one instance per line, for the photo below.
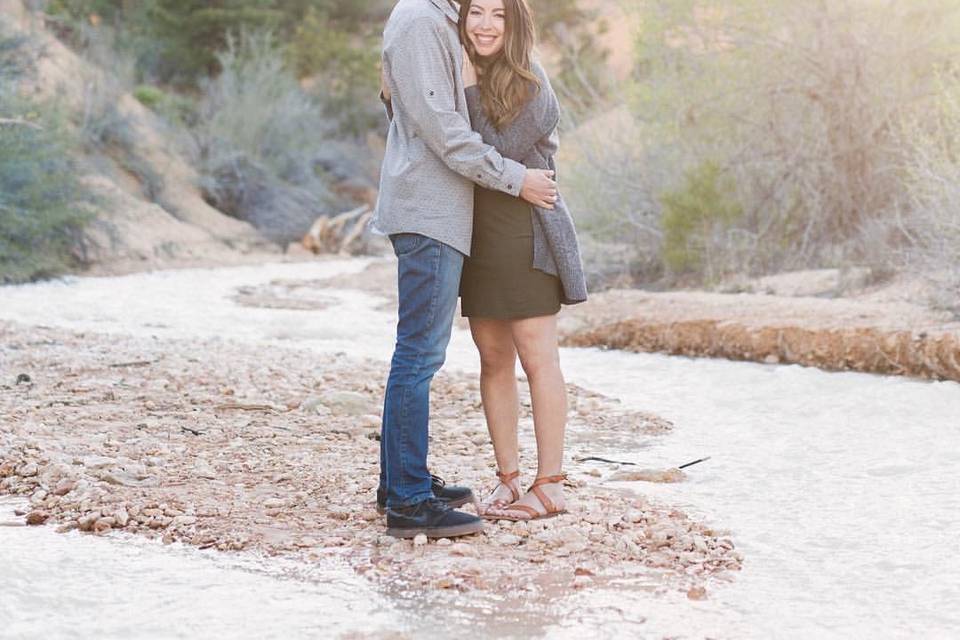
423 79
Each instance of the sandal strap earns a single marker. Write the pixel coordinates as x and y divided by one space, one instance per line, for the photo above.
544 499
533 513
549 480
505 480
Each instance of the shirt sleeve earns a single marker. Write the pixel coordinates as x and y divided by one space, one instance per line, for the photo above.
538 119
422 77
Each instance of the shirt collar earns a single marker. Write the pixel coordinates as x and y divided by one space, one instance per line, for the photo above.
450 8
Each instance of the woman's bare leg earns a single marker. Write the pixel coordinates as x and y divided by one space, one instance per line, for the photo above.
498 391
536 343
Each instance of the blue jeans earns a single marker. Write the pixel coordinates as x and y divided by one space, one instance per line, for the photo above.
428 286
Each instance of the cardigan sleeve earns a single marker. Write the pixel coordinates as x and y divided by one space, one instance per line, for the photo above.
537 120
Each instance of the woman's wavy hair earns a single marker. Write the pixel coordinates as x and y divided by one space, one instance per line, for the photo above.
506 80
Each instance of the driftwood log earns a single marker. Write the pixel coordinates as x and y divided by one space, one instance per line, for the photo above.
343 234
20 122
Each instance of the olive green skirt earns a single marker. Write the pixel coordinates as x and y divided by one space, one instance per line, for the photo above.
499 280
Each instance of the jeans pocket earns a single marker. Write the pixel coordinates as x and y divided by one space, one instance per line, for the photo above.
406 243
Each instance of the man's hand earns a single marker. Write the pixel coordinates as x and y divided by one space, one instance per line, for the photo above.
539 188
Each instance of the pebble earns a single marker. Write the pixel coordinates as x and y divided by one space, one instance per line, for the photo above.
37 517
420 540
463 549
29 470
64 487
122 517
697 593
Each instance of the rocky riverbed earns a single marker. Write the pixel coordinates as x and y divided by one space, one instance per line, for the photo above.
274 451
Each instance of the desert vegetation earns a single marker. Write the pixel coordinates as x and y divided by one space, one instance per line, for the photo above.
770 136
746 138
41 202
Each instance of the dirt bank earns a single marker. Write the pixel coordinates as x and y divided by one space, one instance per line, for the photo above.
883 329
842 334
270 450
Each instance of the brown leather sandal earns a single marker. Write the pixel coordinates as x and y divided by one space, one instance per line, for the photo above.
551 509
505 479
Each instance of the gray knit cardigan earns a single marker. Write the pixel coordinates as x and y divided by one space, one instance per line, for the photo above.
532 140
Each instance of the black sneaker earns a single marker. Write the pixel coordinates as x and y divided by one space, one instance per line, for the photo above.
433 518
453 495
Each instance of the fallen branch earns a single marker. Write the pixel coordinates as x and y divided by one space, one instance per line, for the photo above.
137 363
20 122
247 407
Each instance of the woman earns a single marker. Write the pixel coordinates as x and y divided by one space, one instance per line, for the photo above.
524 262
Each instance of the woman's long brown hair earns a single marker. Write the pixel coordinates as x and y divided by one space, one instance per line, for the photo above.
505 79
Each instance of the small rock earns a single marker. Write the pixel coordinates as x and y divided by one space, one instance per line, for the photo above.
697 593
7 469
28 470
579 582
64 487
463 549
420 540
444 542
508 540
98 462
348 403
102 526
594 517
649 475
37 517
633 516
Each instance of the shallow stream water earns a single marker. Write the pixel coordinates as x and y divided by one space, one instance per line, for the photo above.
840 489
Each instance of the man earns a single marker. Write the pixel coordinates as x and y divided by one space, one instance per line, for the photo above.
433 157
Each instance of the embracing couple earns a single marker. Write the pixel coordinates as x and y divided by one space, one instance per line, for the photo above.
469 201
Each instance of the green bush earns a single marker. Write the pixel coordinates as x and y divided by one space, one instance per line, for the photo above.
173 107
696 216
344 65
41 209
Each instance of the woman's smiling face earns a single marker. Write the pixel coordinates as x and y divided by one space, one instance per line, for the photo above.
486 25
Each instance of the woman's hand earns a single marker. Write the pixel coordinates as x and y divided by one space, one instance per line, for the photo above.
469 70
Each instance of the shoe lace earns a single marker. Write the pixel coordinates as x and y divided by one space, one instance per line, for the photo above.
438 481
436 504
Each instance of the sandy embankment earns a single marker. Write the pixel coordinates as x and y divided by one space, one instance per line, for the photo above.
802 319
875 332
244 448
